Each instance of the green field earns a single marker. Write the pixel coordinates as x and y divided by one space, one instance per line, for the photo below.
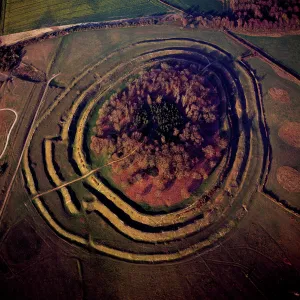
286 49
277 114
31 14
197 6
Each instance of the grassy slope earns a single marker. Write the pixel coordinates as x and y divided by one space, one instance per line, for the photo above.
32 14
277 113
72 57
285 49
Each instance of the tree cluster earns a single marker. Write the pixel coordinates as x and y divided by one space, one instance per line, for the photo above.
167 115
10 57
267 15
253 16
29 72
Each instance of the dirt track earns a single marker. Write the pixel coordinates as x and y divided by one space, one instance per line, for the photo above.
10 130
24 147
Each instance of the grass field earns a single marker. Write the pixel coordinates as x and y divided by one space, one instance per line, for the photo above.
277 114
71 57
286 49
197 6
32 14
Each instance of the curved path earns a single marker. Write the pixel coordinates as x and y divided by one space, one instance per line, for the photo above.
10 130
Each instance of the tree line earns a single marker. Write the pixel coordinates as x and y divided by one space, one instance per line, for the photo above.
252 16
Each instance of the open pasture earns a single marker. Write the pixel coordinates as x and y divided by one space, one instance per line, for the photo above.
32 14
279 114
284 48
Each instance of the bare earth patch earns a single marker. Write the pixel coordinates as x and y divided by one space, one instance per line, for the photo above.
290 133
39 54
279 95
289 179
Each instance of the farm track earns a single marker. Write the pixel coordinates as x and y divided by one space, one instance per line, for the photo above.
83 176
10 130
23 149
11 149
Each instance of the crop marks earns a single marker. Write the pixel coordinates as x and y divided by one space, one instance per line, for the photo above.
169 235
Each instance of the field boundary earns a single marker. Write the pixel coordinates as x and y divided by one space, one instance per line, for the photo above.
263 55
268 59
2 15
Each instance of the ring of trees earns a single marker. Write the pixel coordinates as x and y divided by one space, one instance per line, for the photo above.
209 214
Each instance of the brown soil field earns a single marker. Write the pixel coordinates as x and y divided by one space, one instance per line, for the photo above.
40 54
11 94
289 179
279 95
290 133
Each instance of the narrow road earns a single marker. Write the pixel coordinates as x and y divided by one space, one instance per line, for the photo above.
10 130
5 201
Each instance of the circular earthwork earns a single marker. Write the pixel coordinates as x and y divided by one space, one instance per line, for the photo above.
169 234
